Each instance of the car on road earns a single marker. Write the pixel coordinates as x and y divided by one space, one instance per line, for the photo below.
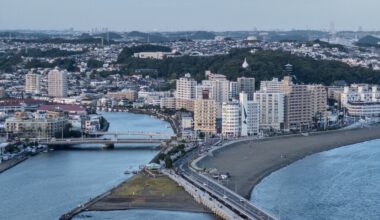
225 197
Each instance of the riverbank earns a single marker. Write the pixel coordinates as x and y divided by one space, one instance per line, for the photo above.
248 162
173 123
5 165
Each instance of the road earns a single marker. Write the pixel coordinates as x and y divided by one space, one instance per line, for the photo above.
231 199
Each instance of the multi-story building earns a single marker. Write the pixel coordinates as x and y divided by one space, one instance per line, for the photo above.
360 93
249 116
57 83
233 90
318 101
220 86
45 127
205 114
128 94
271 110
167 103
231 119
247 85
185 93
32 83
361 100
299 102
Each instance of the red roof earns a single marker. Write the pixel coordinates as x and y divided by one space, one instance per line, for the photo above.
63 107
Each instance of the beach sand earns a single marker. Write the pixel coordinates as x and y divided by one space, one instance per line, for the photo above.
248 162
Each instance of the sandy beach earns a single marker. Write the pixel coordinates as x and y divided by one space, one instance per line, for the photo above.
248 162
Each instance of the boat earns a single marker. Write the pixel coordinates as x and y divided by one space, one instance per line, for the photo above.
127 172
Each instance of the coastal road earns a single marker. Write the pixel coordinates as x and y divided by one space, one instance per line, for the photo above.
231 199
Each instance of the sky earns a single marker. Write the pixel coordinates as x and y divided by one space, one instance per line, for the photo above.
179 15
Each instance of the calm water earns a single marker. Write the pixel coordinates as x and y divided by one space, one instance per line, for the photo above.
48 185
343 183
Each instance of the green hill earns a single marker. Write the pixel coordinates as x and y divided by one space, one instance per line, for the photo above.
263 65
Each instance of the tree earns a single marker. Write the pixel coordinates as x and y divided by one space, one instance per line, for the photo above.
168 162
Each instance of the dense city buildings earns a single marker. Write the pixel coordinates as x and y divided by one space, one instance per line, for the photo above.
57 83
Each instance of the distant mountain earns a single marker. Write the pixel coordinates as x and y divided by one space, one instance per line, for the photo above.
369 41
202 35
111 35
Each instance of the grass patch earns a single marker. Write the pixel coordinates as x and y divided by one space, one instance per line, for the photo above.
144 185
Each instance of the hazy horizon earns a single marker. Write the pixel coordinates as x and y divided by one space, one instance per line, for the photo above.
172 15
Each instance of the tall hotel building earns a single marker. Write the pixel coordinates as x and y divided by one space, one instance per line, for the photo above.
205 114
32 83
231 119
57 83
185 93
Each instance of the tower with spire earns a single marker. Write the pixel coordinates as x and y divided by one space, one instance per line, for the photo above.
245 64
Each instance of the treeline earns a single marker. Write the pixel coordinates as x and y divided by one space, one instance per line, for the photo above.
34 52
369 41
89 40
8 62
263 65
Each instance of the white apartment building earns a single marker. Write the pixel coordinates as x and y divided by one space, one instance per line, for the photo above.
185 93
359 109
32 83
57 83
271 107
361 100
360 93
231 119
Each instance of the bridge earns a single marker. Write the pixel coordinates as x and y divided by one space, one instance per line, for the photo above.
110 142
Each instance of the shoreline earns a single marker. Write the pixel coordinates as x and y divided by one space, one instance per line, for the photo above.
6 165
259 158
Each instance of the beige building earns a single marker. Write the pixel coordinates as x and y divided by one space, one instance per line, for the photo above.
205 114
319 100
130 95
46 127
57 83
167 103
32 83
